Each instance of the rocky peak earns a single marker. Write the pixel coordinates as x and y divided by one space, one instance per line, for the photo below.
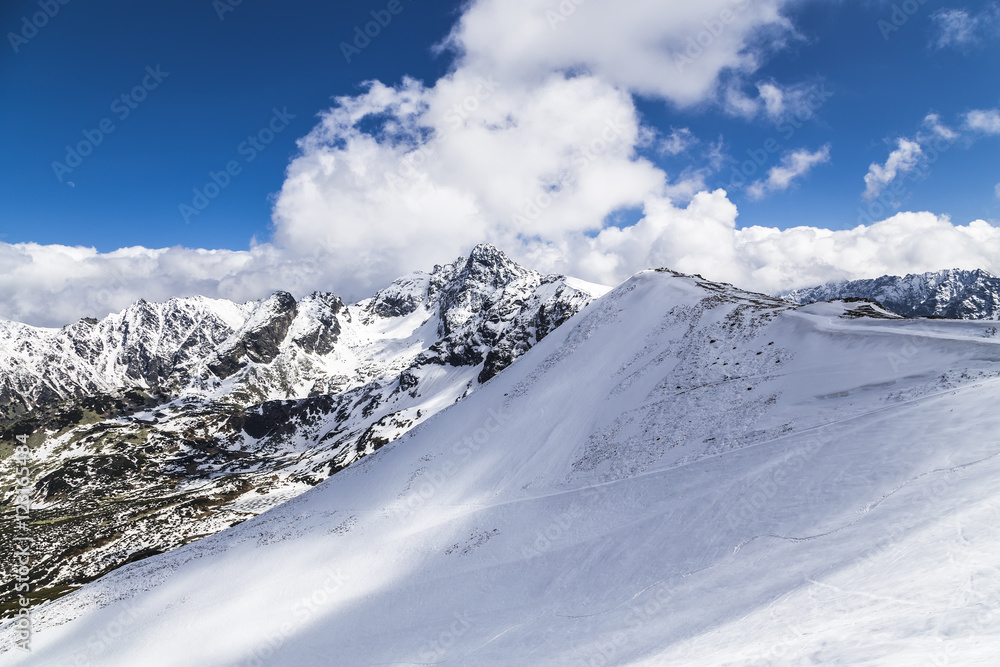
320 327
401 298
259 341
486 272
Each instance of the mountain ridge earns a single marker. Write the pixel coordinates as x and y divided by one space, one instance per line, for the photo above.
683 473
169 421
949 293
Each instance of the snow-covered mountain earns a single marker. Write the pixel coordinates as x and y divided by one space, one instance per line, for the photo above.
681 474
954 294
168 422
279 348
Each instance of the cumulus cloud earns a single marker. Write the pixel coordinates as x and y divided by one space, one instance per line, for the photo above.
702 238
904 159
533 135
737 103
793 165
675 50
986 121
533 142
468 159
54 285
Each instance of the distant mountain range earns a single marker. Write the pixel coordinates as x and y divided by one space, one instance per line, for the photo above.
954 294
170 421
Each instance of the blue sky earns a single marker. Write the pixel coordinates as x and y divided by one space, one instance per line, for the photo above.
225 76
833 91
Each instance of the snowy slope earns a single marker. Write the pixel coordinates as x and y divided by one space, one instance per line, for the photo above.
682 474
955 294
168 422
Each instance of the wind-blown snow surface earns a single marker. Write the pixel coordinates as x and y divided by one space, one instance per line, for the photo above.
683 473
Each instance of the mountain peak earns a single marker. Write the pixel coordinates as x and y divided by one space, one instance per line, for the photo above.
489 264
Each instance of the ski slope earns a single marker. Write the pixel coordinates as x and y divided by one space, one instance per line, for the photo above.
681 474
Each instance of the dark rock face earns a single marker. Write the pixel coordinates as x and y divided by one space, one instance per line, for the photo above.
323 335
387 304
953 294
272 418
261 342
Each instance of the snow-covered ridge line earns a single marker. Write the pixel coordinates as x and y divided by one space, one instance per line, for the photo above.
953 294
273 348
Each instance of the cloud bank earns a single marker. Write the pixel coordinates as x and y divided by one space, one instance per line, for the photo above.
532 142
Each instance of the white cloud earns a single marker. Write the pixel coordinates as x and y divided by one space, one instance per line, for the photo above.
547 160
960 29
773 98
954 27
674 50
737 103
801 101
938 129
986 121
794 164
678 141
546 151
702 238
932 139
905 158
530 142
53 285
